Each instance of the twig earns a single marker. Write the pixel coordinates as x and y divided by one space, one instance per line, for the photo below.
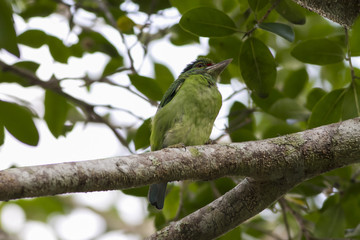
283 207
262 19
53 85
300 220
352 71
103 6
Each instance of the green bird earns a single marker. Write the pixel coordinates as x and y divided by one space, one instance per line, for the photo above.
186 113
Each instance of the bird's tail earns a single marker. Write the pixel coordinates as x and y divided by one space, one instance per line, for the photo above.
157 195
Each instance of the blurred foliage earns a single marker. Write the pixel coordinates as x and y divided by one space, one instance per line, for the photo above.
293 65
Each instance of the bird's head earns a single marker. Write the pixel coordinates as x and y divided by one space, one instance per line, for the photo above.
206 66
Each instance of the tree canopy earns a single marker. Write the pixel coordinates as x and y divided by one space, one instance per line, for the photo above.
293 70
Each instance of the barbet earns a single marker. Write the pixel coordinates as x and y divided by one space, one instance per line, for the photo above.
186 113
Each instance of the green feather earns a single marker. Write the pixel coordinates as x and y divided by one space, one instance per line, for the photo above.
186 113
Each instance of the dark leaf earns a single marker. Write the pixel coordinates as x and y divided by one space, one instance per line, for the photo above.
331 223
137 192
56 110
7 31
288 108
112 66
295 83
33 38
351 105
180 37
257 66
291 11
283 30
207 22
163 76
241 123
318 51
313 97
328 109
147 86
142 136
185 5
18 121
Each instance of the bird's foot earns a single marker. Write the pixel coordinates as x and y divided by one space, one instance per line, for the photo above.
178 145
210 142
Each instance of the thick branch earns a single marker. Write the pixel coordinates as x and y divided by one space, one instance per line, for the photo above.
228 211
300 156
344 12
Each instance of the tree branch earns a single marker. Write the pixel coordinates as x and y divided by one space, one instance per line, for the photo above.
297 156
344 12
273 166
53 85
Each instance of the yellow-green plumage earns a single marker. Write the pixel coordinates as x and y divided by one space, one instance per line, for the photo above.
186 113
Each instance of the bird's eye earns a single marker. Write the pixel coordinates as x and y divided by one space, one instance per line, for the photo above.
200 65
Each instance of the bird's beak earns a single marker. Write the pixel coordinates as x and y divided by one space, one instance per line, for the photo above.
218 68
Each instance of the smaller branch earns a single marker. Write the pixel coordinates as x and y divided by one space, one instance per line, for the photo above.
282 202
103 6
352 71
53 85
299 219
247 34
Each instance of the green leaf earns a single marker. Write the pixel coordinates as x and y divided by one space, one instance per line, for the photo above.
288 108
56 110
112 66
185 5
266 103
151 6
7 31
147 86
257 66
39 8
95 42
291 11
32 38
233 234
257 5
241 123
351 105
328 109
283 30
180 37
18 121
137 192
295 83
2 134
172 202
331 223
355 38
207 22
313 97
125 24
224 184
163 76
318 51
58 50
142 136
335 74
279 129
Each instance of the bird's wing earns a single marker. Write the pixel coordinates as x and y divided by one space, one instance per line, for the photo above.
171 92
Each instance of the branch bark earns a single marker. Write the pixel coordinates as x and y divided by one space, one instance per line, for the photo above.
273 166
300 155
344 12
